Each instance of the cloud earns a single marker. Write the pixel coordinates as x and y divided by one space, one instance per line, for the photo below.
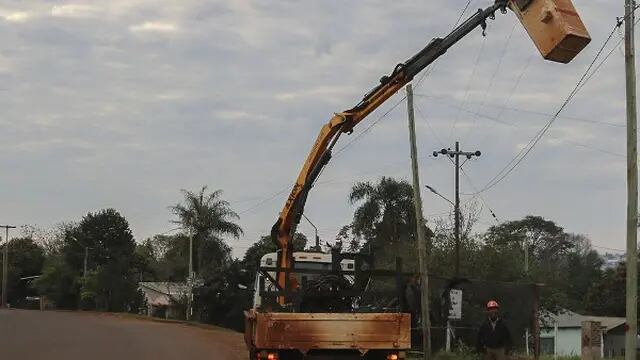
153 26
94 117
73 10
17 16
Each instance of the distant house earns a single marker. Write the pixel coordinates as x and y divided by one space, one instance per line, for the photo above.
561 334
612 261
165 299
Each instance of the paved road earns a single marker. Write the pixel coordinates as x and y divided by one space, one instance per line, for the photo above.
36 335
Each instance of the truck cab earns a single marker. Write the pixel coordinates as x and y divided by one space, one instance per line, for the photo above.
304 260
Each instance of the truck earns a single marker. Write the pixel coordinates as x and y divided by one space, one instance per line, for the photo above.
316 305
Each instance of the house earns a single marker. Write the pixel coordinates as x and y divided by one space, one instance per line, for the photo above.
561 334
165 299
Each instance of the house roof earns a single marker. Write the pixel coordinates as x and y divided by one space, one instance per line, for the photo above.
163 293
570 319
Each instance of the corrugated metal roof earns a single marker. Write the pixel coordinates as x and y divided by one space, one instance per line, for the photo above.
570 319
171 291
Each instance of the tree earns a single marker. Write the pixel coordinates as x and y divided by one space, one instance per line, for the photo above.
111 283
209 219
584 269
607 295
59 282
221 300
26 259
385 221
442 251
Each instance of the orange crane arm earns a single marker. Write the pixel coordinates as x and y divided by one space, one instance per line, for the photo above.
283 230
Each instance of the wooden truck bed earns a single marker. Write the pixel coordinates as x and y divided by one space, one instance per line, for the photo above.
310 331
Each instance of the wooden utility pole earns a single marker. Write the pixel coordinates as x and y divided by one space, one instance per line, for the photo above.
422 244
632 184
456 155
5 264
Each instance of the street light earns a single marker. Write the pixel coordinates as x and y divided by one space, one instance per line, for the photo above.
86 255
437 193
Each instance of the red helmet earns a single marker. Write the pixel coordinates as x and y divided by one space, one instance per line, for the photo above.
492 305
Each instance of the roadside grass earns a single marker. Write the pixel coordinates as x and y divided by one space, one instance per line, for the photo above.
469 355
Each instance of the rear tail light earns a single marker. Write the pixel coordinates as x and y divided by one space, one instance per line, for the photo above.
267 356
392 357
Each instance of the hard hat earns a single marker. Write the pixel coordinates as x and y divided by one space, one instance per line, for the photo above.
493 305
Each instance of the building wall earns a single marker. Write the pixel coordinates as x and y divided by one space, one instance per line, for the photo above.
569 341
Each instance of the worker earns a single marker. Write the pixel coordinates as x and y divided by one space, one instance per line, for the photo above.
494 338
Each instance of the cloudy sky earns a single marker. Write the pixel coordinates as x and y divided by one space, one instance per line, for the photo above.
122 103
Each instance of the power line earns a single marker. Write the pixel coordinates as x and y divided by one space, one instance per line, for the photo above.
517 160
516 109
264 201
607 248
517 83
493 77
468 87
605 58
368 129
571 142
432 68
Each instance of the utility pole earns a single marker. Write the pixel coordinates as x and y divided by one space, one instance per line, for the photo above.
422 246
455 154
190 278
86 257
632 184
317 246
5 264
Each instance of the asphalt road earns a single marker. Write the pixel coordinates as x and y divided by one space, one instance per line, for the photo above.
49 335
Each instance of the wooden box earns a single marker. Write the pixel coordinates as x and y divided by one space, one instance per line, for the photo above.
554 26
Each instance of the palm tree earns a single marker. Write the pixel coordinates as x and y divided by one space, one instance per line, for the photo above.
209 219
385 212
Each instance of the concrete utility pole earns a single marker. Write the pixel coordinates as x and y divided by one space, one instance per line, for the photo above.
5 264
86 255
422 245
190 278
86 259
317 246
456 156
632 184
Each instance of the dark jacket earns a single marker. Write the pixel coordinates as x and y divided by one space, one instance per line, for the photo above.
494 336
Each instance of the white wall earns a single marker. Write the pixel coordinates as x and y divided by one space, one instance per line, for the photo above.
569 340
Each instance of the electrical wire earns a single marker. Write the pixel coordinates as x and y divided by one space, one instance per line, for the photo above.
433 66
606 57
519 158
492 79
264 201
515 109
368 129
468 87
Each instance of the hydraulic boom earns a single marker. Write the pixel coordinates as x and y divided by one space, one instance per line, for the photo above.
283 230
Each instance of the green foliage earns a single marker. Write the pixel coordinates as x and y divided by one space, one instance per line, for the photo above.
111 283
384 221
607 296
59 282
26 258
220 301
208 219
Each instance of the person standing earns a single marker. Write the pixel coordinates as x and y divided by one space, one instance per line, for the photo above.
494 338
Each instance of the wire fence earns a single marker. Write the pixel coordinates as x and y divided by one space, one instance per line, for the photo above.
518 309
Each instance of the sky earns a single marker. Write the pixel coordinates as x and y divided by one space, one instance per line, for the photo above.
122 103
